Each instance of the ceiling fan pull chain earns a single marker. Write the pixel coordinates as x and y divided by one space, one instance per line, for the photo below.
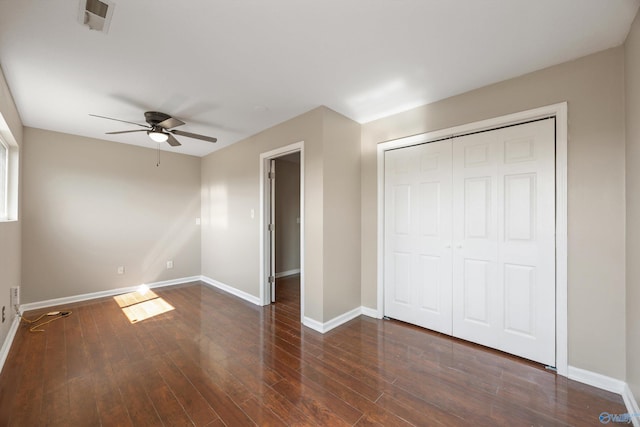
158 164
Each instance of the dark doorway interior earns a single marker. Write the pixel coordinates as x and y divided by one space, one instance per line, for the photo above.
287 221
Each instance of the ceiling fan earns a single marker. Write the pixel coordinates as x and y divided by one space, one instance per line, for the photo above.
160 128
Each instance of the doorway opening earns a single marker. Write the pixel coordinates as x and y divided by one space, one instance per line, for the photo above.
282 227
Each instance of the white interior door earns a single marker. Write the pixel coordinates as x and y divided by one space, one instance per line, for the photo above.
418 235
504 240
470 238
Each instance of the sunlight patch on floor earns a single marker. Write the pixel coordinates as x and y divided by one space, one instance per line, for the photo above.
142 304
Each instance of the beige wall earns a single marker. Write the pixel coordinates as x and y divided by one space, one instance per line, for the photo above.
594 89
341 215
90 206
632 80
231 190
287 213
10 231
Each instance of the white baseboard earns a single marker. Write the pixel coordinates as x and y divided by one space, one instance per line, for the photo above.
342 319
333 323
313 324
287 273
371 312
173 282
632 405
102 294
610 384
597 380
230 289
6 345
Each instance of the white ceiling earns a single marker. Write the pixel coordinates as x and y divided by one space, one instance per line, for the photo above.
231 68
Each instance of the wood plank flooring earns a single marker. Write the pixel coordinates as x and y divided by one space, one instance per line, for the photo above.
216 360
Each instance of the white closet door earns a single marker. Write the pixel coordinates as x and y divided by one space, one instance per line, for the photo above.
418 235
504 240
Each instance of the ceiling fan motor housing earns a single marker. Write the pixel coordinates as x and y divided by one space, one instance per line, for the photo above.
155 117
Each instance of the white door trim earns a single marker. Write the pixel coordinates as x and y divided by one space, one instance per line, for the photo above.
560 113
265 158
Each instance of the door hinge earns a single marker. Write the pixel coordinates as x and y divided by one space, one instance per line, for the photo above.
271 227
272 279
272 175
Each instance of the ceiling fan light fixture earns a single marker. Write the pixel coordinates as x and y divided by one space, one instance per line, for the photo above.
158 128
157 136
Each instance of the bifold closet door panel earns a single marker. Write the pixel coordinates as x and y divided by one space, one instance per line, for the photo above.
475 238
504 239
417 238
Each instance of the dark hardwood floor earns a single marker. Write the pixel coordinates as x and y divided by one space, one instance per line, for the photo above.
217 360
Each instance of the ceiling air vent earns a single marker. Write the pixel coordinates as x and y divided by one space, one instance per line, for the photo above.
96 14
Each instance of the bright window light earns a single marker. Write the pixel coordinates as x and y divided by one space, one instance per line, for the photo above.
4 178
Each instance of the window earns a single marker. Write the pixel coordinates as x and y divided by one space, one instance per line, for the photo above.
4 179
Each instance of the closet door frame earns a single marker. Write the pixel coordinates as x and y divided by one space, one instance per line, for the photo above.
559 111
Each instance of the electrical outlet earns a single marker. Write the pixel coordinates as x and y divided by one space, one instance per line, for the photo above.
15 296
169 264
121 269
198 221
